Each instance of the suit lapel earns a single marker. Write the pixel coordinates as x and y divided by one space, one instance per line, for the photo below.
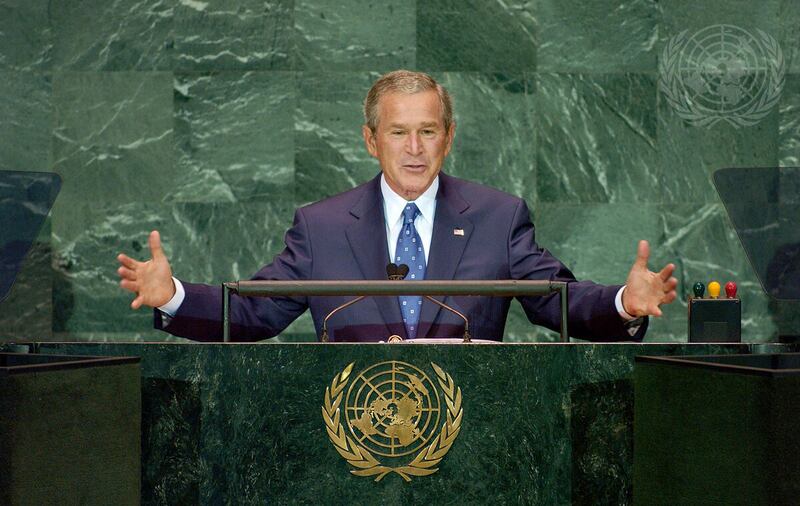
447 244
367 239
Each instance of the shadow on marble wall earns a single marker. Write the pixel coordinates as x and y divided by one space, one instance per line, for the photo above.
212 123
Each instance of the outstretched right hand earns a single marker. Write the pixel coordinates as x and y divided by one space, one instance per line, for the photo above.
151 281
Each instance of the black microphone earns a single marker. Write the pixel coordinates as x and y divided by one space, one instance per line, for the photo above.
399 272
396 272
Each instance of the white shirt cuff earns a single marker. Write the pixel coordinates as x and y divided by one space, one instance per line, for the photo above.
620 309
624 314
171 307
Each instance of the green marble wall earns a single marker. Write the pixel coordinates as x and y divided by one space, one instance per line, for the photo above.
210 120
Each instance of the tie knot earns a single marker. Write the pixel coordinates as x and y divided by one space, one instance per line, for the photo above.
410 213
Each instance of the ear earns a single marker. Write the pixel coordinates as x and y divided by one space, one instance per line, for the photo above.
451 134
369 141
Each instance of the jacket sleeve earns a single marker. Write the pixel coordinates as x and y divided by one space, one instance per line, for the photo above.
252 318
592 312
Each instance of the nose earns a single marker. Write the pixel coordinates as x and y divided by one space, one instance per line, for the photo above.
414 144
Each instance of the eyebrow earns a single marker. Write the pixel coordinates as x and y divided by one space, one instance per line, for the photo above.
427 124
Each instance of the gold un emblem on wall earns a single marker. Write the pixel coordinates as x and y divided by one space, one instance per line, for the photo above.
392 419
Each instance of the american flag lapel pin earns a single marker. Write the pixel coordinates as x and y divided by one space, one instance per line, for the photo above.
458 231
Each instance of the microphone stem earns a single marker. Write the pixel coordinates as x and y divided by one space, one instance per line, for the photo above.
336 310
467 337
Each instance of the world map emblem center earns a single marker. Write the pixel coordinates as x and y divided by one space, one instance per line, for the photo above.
392 417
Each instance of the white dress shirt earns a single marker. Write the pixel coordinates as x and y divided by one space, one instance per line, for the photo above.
393 205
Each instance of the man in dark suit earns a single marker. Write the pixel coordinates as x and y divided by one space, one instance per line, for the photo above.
441 227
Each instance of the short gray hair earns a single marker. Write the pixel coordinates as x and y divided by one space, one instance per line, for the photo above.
405 81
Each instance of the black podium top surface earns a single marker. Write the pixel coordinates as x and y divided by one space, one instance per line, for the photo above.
21 363
771 364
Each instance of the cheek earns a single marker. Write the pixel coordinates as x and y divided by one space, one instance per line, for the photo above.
390 150
437 149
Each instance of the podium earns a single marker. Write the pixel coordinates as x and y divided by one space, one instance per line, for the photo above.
69 429
717 430
546 423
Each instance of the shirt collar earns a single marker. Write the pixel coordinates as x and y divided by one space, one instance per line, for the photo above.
393 203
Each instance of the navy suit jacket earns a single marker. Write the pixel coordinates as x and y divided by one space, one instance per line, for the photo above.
344 237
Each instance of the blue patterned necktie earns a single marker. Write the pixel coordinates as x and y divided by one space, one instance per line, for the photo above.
410 252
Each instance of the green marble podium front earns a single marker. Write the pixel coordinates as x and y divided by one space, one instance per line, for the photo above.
243 423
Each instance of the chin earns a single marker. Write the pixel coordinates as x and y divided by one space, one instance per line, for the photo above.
418 182
414 190
410 193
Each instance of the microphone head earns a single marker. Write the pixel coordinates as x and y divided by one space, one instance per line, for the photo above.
402 271
396 272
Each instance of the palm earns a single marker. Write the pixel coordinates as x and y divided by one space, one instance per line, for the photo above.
646 290
151 281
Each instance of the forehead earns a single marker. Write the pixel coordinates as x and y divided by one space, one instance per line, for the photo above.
410 108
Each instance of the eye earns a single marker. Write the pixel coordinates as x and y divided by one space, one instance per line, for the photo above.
397 132
428 132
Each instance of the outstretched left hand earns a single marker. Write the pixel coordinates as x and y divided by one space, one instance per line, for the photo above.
646 290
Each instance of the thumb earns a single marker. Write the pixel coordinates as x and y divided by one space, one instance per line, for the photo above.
155 245
642 254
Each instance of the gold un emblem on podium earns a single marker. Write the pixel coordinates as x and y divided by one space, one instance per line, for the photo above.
391 419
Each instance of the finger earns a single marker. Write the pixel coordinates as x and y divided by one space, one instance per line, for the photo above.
131 286
669 297
127 261
656 311
155 244
137 302
666 272
642 253
671 284
126 273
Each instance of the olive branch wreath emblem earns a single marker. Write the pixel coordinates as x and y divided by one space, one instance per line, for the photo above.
699 115
366 464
